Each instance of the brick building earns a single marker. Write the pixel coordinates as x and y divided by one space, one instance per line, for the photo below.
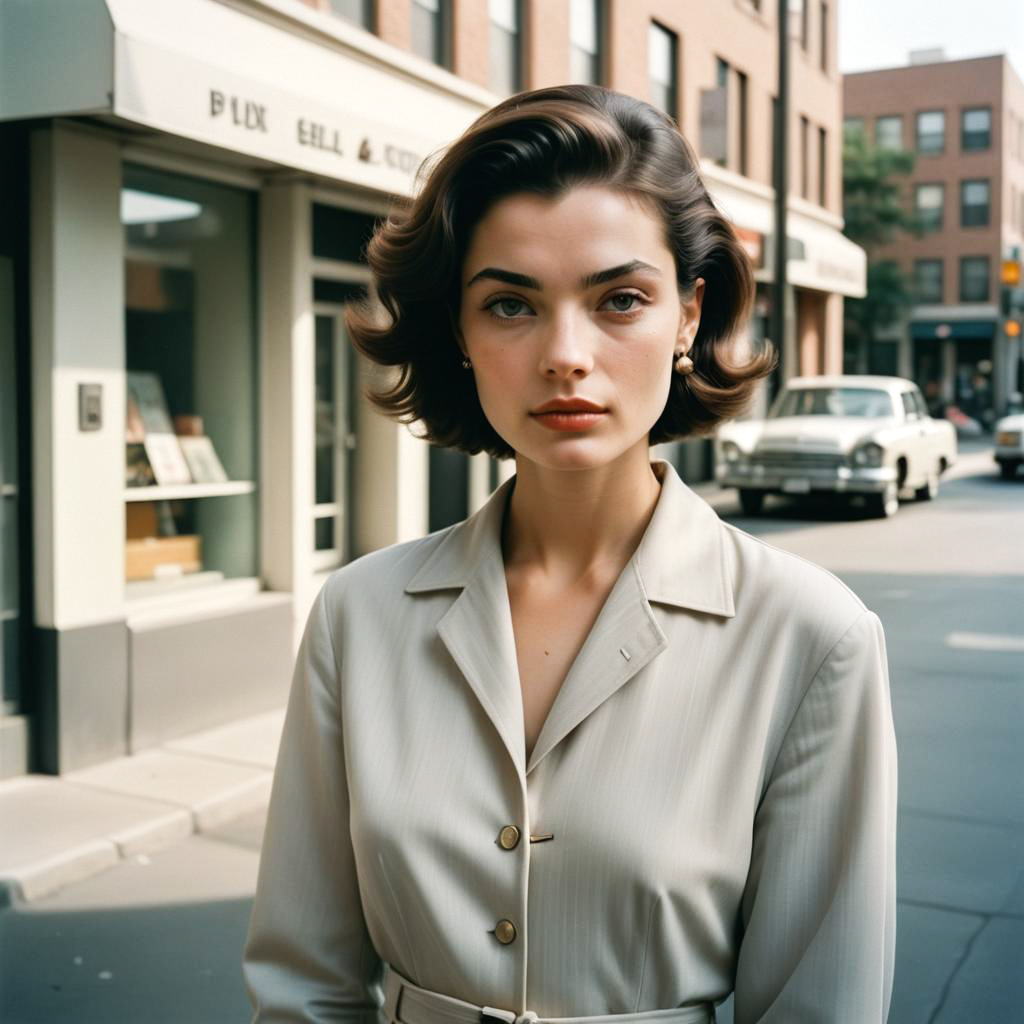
964 120
185 207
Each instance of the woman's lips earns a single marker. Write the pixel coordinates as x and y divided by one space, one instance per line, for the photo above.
579 420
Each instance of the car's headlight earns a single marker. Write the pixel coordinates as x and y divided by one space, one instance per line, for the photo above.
731 451
868 454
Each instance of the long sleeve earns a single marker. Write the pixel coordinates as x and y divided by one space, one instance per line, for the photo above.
819 907
308 956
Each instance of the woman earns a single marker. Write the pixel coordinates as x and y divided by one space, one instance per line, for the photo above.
591 751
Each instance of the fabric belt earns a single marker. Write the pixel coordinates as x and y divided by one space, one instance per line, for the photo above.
406 1003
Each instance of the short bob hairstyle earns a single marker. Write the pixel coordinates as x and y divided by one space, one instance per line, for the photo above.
546 142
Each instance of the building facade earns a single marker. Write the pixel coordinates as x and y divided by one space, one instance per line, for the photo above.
964 120
186 449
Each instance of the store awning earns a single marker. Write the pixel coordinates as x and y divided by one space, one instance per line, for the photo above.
215 74
938 330
820 255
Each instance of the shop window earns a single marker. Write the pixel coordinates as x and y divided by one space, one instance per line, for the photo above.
931 131
662 47
340 234
431 30
974 203
359 12
974 279
928 281
928 203
976 129
586 41
504 58
336 399
190 359
889 132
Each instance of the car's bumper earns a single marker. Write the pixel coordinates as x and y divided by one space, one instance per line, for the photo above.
1007 454
781 480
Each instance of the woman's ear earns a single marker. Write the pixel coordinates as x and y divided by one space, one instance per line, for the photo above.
457 331
689 313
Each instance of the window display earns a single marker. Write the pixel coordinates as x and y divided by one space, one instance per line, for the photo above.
190 389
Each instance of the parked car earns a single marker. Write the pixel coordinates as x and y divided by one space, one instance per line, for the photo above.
868 436
1010 444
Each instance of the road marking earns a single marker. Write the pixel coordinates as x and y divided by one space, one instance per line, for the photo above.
985 642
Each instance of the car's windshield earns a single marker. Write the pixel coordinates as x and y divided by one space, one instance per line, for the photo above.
867 402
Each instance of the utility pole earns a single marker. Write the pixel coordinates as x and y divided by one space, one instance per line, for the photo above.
780 149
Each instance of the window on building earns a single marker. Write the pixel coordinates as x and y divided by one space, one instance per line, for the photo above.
798 10
741 102
976 128
805 132
822 165
928 281
431 30
974 203
505 71
824 37
359 12
586 25
853 128
928 203
931 131
662 47
889 132
974 279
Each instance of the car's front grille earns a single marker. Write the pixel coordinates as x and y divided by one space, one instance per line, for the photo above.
799 460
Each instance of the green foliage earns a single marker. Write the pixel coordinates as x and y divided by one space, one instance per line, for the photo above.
876 212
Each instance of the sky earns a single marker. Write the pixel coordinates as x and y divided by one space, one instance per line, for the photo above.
879 33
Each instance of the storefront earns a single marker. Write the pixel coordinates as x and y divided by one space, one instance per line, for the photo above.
201 452
954 364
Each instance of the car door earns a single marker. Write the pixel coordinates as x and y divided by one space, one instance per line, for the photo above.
917 441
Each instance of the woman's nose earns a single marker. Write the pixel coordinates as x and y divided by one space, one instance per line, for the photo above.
567 349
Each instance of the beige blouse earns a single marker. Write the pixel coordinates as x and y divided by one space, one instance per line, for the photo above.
717 775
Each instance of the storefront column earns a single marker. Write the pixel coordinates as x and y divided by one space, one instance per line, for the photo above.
832 356
77 310
287 342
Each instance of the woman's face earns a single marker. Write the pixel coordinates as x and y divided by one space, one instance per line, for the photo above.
575 299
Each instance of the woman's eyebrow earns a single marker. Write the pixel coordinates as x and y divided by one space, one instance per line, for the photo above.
587 281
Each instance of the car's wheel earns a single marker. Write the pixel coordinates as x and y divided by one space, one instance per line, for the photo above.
884 504
751 501
930 488
1008 469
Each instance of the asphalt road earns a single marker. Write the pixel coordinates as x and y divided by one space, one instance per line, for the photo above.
159 939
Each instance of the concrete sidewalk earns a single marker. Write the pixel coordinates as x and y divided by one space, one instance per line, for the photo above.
60 830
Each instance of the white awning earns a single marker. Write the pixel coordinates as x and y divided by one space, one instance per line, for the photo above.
219 75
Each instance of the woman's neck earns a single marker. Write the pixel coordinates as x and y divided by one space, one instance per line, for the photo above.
572 527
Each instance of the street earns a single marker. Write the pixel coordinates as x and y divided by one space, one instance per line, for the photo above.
159 938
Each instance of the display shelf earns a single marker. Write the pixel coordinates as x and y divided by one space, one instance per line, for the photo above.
176 491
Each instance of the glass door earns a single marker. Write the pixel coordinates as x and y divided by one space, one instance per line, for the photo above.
10 629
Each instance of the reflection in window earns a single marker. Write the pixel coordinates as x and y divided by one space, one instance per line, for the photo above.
889 132
974 279
585 42
430 30
976 129
661 67
504 59
928 204
931 131
861 402
974 203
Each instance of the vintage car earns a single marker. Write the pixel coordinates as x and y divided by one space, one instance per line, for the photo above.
864 436
1009 451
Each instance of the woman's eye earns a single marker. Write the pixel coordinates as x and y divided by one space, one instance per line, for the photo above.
508 309
624 302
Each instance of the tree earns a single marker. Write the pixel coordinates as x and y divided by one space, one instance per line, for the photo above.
875 213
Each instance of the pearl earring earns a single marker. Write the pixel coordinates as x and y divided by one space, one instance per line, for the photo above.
684 364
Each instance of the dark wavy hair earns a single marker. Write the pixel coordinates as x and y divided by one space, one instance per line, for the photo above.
546 142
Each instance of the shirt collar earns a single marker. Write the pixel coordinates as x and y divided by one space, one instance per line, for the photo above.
682 558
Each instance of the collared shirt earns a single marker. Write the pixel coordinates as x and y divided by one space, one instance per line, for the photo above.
710 803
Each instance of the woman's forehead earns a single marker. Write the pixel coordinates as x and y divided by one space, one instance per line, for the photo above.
587 225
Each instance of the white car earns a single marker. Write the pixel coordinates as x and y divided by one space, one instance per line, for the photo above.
1010 444
862 435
